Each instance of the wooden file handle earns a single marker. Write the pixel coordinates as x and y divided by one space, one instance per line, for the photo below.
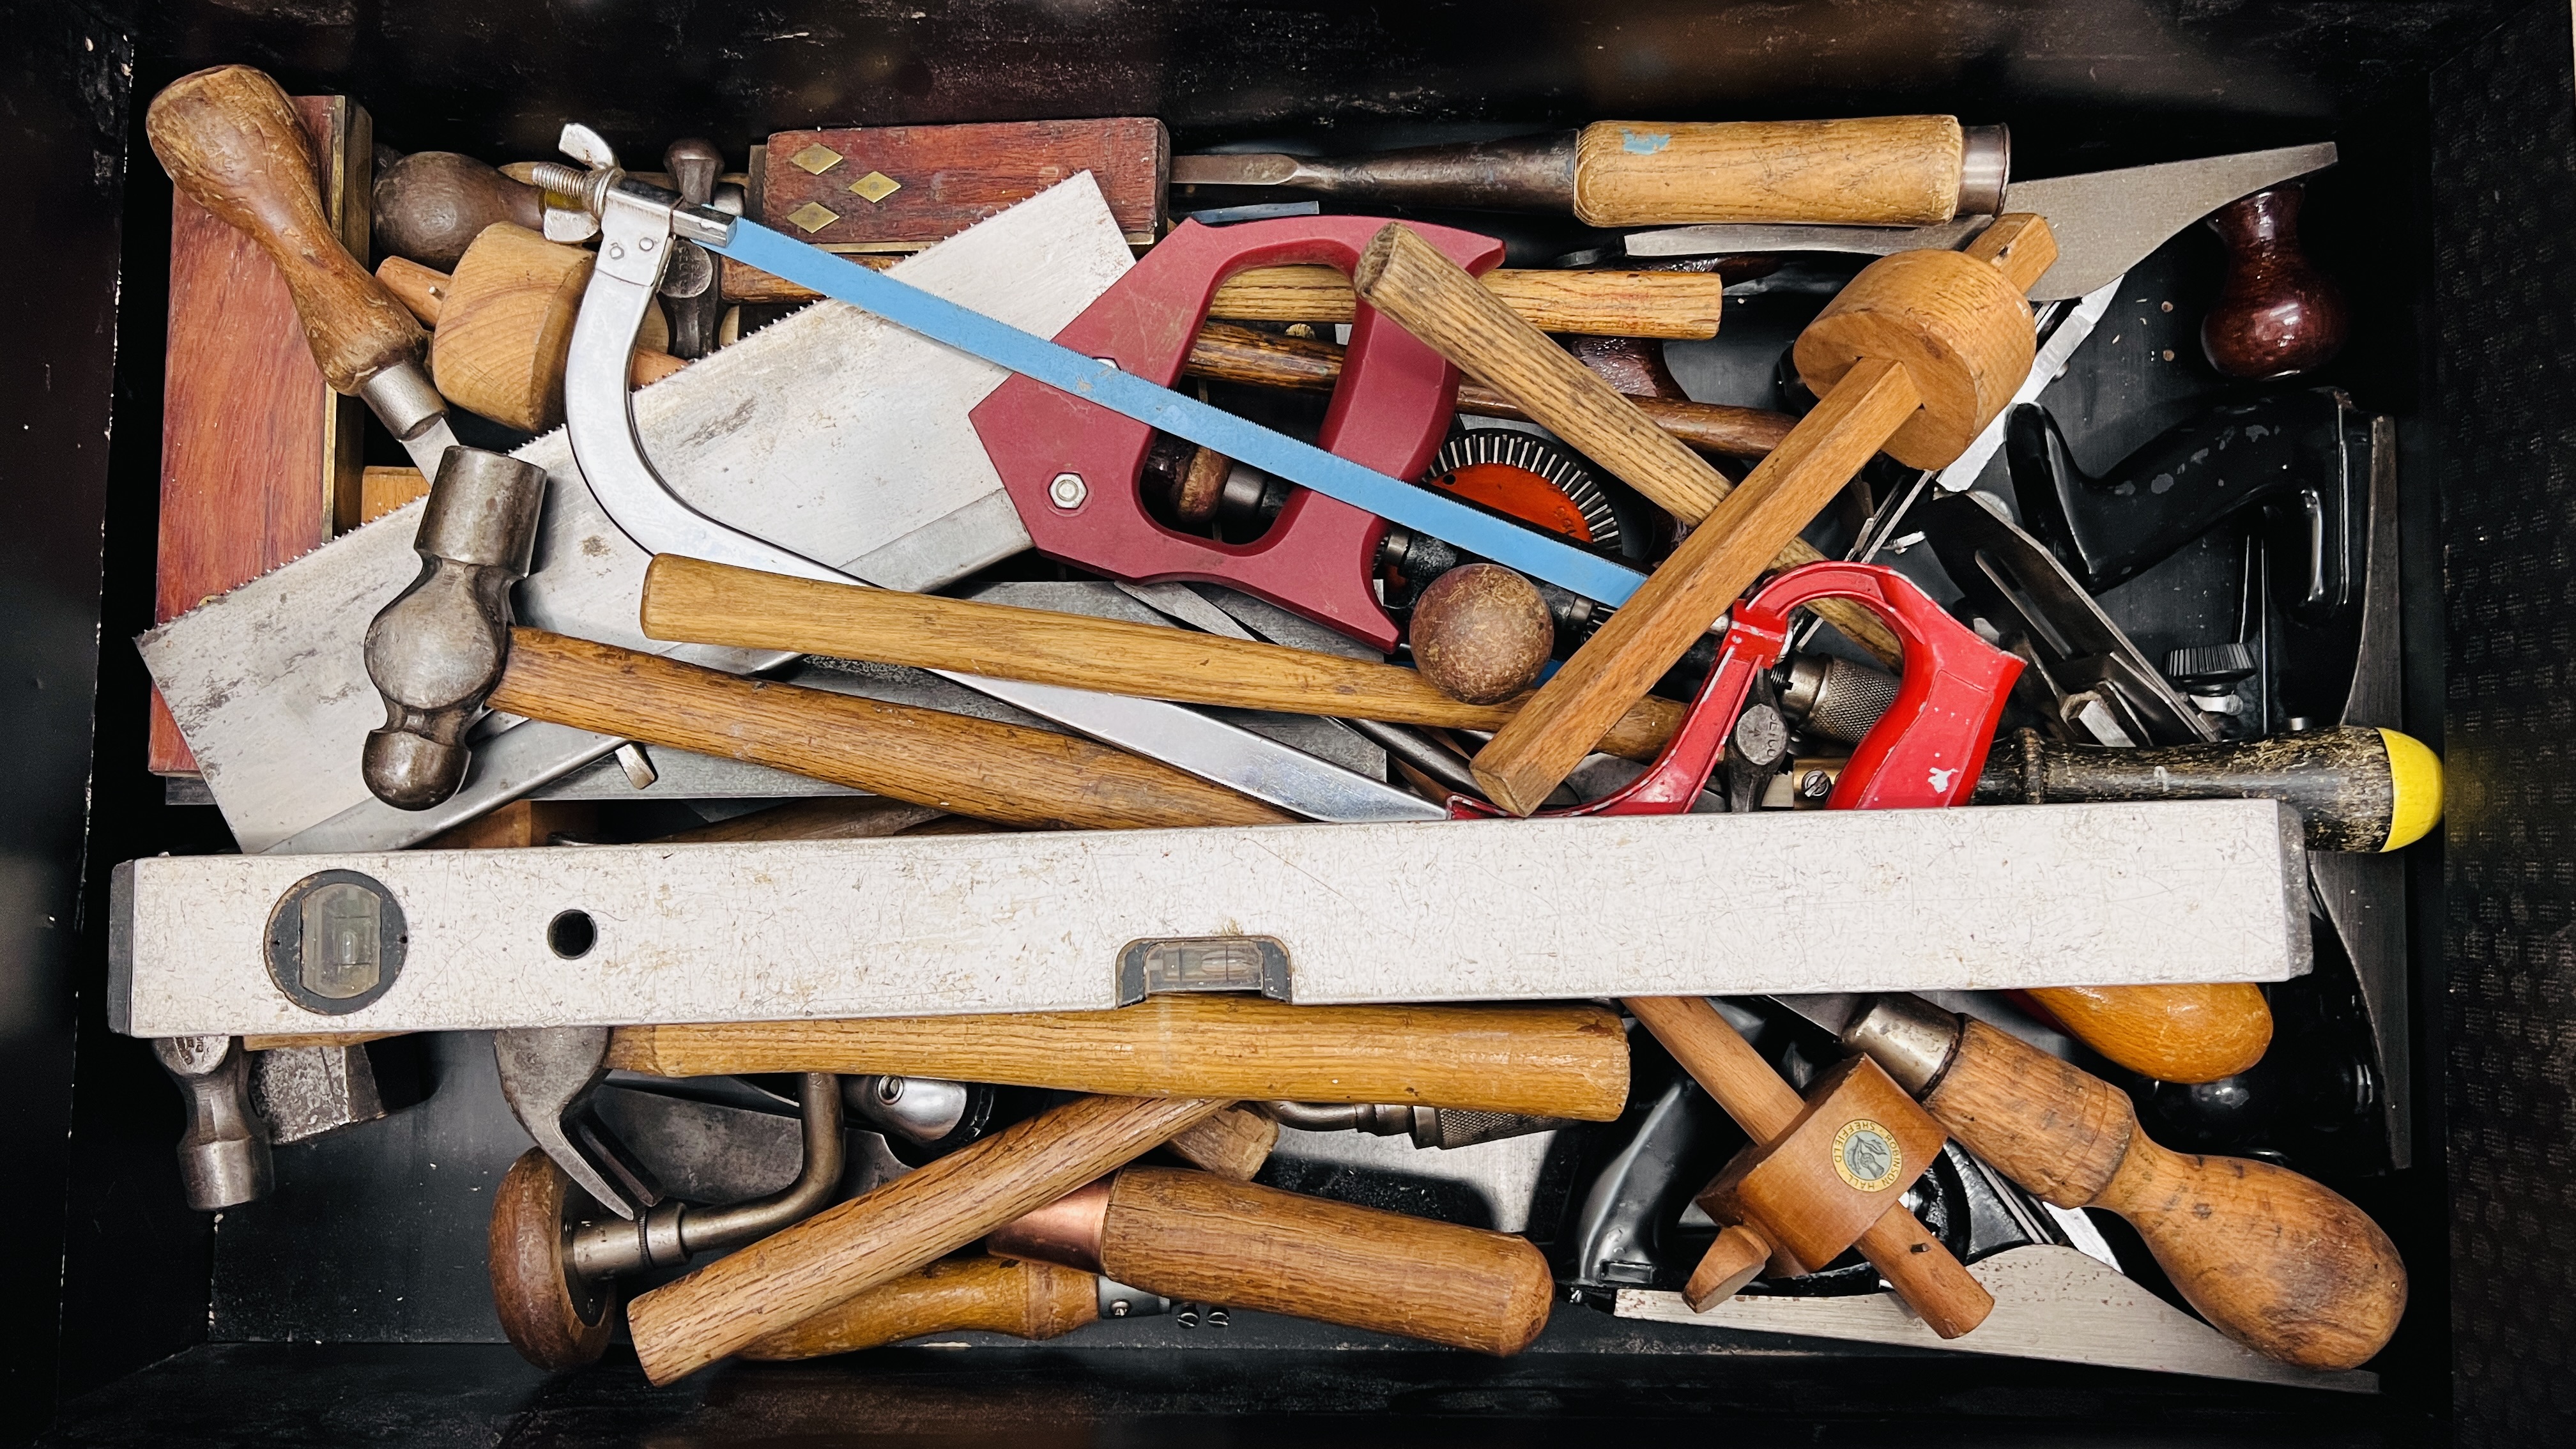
951 762
1193 1235
698 602
1436 300
1873 170
2281 1264
996 1295
231 143
1914 356
1229 353
896 1229
1547 1061
2192 1032
1923 1273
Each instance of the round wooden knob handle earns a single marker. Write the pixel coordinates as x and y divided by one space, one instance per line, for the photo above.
2277 315
232 144
1481 633
531 1289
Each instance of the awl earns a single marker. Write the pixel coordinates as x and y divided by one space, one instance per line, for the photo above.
2105 221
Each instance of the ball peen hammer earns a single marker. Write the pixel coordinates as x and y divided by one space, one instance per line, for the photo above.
1915 356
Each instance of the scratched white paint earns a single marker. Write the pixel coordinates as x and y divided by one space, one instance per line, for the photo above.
1494 910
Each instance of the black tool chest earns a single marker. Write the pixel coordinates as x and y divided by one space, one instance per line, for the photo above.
351 1307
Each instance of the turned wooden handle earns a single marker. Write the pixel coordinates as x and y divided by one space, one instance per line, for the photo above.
1547 1061
423 292
995 1295
1923 1273
951 762
698 602
2281 1264
1876 170
1193 1235
1229 353
1436 300
1599 303
2180 1033
231 143
1915 355
899 1228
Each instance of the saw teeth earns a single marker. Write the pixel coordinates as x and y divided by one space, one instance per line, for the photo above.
1549 462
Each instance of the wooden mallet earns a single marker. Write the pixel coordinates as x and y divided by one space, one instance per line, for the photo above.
1915 357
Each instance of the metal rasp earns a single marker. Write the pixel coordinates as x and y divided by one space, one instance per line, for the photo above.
2106 222
832 428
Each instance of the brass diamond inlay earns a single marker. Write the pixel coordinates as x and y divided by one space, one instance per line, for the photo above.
817 158
876 186
813 216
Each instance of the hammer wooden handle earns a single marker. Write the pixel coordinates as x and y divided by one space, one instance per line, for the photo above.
1547 1061
710 603
1193 1235
899 1228
995 1295
231 142
2178 1033
2281 1264
1865 405
1434 298
1229 353
950 762
1605 303
1923 1272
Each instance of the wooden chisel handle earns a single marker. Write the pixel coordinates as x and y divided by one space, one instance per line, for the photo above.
2281 1264
996 1295
1923 1273
1193 1235
1547 1061
896 1229
950 762
231 143
2190 1032
1229 353
1870 170
697 602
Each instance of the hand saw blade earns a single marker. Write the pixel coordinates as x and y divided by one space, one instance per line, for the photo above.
832 427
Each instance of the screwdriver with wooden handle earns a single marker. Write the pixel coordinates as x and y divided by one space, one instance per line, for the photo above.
1024 1299
231 143
1916 355
694 601
2283 1265
1539 1060
1876 170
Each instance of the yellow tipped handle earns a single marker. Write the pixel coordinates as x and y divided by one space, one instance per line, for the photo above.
2415 788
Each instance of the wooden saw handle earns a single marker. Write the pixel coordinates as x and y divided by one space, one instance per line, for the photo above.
699 602
2281 1264
1547 1061
2192 1032
1922 345
995 1295
1436 300
1193 1235
896 1229
231 142
1871 170
1923 1273
950 762
1229 353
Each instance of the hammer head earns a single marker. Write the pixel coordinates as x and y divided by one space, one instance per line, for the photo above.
548 1075
437 651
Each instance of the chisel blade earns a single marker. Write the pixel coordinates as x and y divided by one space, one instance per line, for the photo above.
2106 222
